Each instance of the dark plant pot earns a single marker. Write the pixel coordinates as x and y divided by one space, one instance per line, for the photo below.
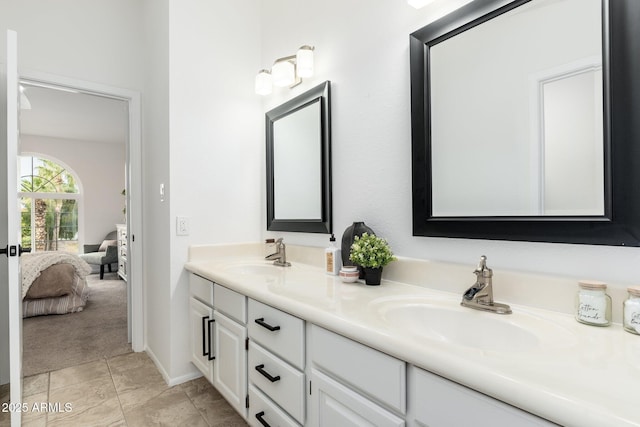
372 276
355 229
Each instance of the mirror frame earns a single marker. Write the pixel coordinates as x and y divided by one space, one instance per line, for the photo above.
321 94
620 224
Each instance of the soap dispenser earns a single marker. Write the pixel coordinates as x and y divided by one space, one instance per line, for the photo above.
332 258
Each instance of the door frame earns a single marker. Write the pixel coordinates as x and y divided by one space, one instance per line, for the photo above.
133 159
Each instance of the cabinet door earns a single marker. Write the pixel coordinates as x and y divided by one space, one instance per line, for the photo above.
230 369
201 337
333 404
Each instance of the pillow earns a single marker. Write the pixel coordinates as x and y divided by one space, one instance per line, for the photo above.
54 281
105 243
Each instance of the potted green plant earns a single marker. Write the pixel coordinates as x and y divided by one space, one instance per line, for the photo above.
372 253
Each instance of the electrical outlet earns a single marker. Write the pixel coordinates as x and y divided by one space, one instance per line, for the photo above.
182 226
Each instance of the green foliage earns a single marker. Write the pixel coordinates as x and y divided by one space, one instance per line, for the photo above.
369 250
56 219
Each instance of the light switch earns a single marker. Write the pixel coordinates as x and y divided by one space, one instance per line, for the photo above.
182 226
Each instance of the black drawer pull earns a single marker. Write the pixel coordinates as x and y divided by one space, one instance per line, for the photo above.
267 375
260 418
264 324
210 356
204 337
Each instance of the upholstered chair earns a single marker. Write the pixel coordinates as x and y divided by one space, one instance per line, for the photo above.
105 253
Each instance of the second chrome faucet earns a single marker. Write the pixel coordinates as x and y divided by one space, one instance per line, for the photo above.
480 295
280 256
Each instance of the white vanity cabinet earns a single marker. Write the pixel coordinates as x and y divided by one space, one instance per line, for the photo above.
437 402
352 384
230 338
201 324
276 367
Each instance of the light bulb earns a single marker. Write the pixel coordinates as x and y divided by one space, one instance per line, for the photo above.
304 61
263 82
283 73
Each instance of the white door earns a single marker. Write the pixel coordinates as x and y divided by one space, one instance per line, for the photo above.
11 311
230 367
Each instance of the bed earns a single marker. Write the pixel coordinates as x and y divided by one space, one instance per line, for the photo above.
53 283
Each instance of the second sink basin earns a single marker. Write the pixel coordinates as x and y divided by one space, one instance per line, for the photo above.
445 320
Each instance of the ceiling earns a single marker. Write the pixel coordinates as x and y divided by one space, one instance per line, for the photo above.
72 115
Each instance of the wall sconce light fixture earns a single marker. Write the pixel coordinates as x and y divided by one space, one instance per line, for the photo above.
286 71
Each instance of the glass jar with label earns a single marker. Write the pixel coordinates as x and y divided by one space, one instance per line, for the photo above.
631 311
593 305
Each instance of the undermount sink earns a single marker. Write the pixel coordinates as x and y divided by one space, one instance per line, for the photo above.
445 320
255 269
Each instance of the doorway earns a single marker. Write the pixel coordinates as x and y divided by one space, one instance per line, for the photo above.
118 111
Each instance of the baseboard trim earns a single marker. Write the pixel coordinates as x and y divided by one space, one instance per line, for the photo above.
168 379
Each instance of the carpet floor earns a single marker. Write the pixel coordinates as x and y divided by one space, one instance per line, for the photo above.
99 331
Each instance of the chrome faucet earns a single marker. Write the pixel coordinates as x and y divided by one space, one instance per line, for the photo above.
280 256
480 295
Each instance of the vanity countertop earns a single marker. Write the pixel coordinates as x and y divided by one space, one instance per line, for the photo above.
576 375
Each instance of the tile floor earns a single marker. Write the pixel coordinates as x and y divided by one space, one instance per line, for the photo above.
124 390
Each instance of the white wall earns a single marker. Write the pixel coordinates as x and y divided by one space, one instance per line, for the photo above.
100 170
363 49
97 41
155 165
216 154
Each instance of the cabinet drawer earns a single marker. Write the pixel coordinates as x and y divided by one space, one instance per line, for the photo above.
201 288
230 303
277 331
371 372
261 408
438 402
286 387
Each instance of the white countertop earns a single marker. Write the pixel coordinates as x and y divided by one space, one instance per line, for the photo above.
579 375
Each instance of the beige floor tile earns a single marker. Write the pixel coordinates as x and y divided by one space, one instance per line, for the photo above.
32 421
92 402
213 407
138 396
171 408
108 413
142 376
124 390
129 361
37 406
35 384
78 374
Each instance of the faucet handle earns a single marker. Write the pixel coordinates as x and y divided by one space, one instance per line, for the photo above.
482 269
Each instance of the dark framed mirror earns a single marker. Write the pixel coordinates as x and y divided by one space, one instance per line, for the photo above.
298 137
522 123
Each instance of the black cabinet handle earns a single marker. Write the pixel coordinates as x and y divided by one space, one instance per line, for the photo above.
264 324
211 356
267 375
260 417
204 337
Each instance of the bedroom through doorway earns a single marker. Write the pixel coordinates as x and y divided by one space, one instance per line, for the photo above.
84 135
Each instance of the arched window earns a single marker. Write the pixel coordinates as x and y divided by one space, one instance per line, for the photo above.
49 196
